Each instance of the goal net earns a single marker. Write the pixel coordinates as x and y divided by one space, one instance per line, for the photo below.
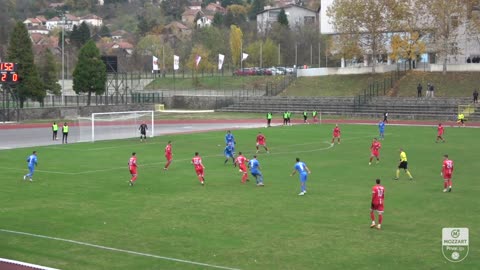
466 109
115 125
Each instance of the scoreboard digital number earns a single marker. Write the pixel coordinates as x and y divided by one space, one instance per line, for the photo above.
8 72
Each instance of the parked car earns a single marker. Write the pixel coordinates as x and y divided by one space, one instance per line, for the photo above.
275 71
244 72
290 70
282 70
266 72
258 71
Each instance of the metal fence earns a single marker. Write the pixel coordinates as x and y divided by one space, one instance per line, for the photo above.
9 101
377 88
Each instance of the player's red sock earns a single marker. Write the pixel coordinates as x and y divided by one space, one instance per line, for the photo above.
380 218
450 183
445 184
244 178
372 216
168 164
134 178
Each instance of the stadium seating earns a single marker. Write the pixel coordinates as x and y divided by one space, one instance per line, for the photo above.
397 107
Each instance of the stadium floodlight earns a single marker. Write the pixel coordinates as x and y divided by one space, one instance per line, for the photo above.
116 125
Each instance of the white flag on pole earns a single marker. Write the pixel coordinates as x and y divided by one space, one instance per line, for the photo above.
176 62
155 63
198 58
244 56
221 57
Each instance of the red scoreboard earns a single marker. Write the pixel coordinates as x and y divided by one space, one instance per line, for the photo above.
8 72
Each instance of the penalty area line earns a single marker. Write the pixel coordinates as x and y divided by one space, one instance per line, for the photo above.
119 250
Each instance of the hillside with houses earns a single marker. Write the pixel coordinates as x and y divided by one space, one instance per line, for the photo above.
119 27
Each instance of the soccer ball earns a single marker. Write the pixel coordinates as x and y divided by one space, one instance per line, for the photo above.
455 255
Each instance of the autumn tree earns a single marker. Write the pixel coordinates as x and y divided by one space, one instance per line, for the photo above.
236 14
442 19
343 46
286 39
263 53
90 74
368 21
155 46
20 51
236 39
48 70
213 38
407 46
205 64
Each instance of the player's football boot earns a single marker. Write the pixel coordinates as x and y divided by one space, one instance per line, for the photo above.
379 226
372 225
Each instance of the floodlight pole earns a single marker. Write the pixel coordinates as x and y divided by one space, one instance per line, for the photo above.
63 59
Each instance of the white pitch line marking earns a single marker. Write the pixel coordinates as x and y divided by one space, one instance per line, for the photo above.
177 160
120 250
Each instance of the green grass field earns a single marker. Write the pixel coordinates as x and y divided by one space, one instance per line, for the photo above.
334 85
453 84
80 193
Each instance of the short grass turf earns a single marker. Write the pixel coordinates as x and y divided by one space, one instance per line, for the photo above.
80 192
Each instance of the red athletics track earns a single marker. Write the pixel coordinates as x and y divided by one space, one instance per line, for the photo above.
242 121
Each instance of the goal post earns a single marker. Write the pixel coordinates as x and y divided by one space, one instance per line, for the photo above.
466 109
116 125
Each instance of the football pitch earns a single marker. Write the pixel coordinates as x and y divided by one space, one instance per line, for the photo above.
80 213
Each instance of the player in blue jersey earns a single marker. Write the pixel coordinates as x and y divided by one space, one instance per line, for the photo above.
303 171
254 166
229 152
32 161
229 138
381 130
